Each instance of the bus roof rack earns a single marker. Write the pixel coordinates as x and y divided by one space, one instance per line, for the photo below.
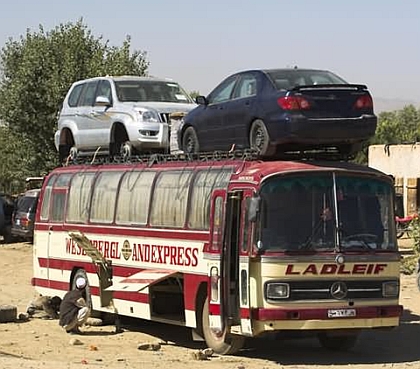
244 155
151 159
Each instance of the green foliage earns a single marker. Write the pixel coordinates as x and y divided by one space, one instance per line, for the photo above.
409 264
17 161
415 234
398 126
395 127
194 94
38 69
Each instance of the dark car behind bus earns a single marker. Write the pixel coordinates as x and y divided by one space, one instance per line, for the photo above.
24 216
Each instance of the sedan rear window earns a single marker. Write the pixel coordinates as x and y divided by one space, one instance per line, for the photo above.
287 79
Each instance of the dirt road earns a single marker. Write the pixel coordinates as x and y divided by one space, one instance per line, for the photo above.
42 344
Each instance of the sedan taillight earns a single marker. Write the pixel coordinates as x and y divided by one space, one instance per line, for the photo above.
293 103
364 102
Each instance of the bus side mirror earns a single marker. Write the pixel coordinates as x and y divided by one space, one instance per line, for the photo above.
254 208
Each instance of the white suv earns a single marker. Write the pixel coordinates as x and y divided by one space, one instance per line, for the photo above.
118 115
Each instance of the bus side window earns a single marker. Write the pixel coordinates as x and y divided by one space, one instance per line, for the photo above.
170 199
45 207
79 197
217 236
104 197
58 200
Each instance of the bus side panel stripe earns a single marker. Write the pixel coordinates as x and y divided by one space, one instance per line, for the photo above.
64 286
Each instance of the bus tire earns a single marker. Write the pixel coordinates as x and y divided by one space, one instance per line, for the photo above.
8 313
335 342
222 343
81 273
418 280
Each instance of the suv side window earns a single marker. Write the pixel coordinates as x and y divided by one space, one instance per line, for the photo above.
75 94
104 89
88 94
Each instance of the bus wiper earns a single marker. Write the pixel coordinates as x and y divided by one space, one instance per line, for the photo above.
364 238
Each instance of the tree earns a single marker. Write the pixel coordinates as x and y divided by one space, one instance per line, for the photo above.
17 161
37 71
194 94
395 127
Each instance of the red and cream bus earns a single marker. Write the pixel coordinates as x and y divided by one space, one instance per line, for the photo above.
231 248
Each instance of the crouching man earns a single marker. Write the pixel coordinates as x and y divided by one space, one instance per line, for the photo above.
73 309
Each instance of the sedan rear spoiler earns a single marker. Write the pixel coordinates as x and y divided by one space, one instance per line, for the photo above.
330 86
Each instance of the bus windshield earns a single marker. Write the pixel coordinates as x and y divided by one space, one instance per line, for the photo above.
325 212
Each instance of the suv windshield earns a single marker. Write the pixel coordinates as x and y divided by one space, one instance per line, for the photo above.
139 91
287 79
326 211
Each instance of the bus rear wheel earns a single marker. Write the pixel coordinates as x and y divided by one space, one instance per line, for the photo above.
334 342
221 342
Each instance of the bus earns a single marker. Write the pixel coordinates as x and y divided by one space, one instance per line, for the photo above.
230 247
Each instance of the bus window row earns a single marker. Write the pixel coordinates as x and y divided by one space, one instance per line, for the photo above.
171 198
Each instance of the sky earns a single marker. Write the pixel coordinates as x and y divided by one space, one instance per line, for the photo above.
199 43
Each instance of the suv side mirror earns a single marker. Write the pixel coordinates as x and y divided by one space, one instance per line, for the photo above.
254 208
102 101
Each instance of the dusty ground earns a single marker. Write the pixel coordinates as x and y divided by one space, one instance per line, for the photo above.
42 344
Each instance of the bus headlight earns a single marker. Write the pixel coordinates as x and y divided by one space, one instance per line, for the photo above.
390 289
276 291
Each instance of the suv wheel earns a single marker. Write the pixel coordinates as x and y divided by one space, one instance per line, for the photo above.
126 150
73 153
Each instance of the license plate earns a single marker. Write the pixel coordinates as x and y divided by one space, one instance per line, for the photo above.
341 313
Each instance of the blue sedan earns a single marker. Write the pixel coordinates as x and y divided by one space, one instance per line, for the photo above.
278 111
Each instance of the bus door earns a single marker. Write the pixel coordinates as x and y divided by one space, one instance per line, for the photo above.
214 265
230 259
229 268
244 246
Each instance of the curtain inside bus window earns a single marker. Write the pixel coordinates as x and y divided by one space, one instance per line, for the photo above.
58 200
45 207
217 236
134 197
204 183
104 197
169 199
79 197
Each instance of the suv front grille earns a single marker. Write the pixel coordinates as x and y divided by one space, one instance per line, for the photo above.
164 117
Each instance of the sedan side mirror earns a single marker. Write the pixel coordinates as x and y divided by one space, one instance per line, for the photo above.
201 100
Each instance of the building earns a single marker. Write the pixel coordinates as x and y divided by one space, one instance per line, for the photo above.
402 161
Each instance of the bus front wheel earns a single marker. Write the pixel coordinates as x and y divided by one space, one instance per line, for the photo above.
220 341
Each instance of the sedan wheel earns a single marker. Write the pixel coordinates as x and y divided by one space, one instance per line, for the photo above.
190 144
259 138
